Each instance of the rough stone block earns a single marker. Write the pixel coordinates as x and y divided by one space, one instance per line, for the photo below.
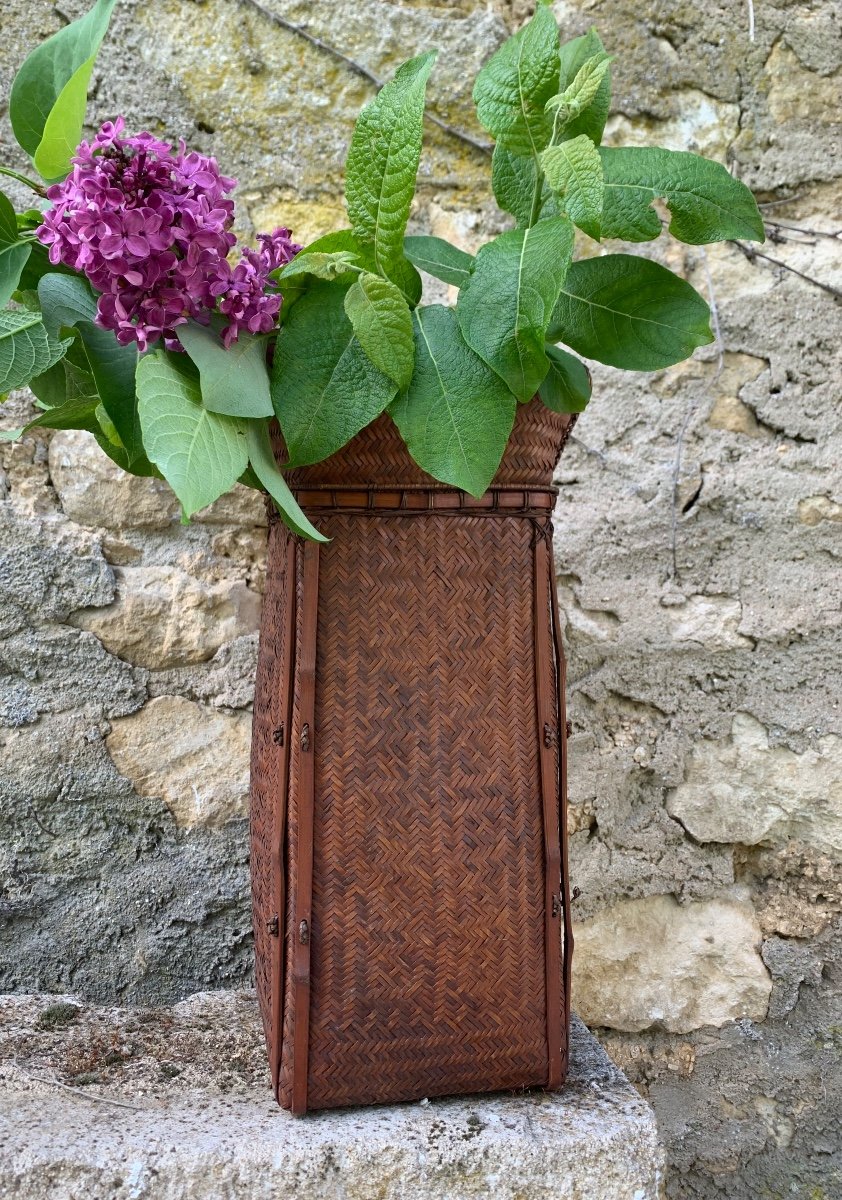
175 1105
654 963
196 761
165 617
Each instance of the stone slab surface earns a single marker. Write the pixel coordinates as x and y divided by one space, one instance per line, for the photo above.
174 1104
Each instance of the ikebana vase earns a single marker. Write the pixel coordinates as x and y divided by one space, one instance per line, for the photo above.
408 826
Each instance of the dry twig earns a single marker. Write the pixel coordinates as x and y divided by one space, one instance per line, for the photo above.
358 68
86 1095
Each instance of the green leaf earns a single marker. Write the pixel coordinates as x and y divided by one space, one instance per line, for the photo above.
325 389
26 349
65 301
567 386
505 309
574 172
383 324
403 273
629 312
266 469
512 89
574 56
581 93
113 367
13 253
63 127
320 265
37 266
439 259
68 301
40 90
456 415
234 382
706 202
200 453
78 413
514 179
68 379
383 162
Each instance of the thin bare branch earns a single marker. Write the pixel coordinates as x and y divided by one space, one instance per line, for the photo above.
778 203
751 254
691 408
832 234
358 68
83 1092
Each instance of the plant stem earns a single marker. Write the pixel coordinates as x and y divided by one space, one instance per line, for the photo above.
537 193
25 180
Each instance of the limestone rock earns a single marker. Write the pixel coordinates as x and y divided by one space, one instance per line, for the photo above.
814 509
654 963
241 506
730 413
194 759
701 124
743 789
163 617
94 491
710 620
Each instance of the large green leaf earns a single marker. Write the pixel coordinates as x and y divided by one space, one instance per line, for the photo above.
263 464
706 202
13 253
200 453
567 386
235 382
324 386
574 56
456 415
381 319
513 87
26 348
47 101
68 301
574 172
383 162
505 309
630 313
439 259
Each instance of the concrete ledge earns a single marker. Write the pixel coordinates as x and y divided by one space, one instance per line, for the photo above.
174 1104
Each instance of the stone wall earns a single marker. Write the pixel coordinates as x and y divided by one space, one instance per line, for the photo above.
701 590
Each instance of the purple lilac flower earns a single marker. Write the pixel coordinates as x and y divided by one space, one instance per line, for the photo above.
151 231
242 290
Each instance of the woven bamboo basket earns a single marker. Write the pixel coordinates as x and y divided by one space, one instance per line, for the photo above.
408 827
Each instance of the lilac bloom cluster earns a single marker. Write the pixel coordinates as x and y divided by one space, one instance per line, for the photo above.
242 290
151 231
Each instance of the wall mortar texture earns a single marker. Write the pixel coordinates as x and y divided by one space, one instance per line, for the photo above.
704 684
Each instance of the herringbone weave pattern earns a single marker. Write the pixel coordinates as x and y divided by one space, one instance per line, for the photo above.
426 939
428 837
266 757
